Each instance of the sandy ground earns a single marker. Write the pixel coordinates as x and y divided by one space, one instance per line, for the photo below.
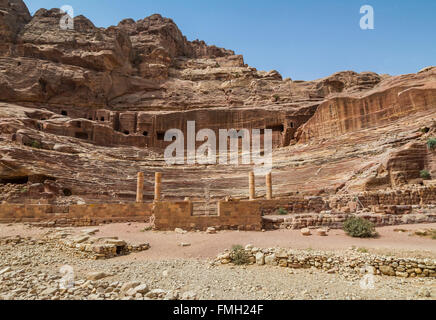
33 271
165 245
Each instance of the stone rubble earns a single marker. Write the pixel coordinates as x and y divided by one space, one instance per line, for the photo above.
82 245
353 261
27 274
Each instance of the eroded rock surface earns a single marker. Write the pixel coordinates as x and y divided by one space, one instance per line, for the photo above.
83 110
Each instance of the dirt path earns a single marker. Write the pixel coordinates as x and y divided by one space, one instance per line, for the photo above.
165 245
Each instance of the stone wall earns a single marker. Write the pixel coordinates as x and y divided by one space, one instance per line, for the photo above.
337 263
335 221
293 205
390 208
425 195
241 215
88 214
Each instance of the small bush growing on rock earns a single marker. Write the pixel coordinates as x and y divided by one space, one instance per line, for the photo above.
431 143
424 174
282 212
427 233
238 255
35 144
359 228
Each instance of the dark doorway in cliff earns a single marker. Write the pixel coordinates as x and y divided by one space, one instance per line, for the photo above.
102 119
43 84
40 178
145 133
291 124
81 135
67 192
120 250
15 180
160 135
277 128
64 113
126 132
77 124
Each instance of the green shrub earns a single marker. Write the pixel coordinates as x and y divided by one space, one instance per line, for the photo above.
359 228
424 174
431 143
238 255
35 144
282 212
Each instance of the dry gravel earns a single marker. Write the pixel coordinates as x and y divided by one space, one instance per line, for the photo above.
33 272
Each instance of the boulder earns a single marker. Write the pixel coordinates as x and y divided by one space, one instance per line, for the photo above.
305 232
97 275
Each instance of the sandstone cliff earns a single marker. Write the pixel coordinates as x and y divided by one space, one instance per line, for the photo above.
81 111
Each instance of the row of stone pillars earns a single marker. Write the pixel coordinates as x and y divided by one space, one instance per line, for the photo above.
252 188
158 186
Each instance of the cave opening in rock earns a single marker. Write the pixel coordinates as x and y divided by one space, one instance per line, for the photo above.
64 113
81 135
119 249
277 128
126 132
40 178
145 133
160 135
102 119
15 180
67 192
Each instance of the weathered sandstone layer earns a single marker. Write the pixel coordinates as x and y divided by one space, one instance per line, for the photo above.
82 111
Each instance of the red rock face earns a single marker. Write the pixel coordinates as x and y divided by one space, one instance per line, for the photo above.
386 103
13 16
83 110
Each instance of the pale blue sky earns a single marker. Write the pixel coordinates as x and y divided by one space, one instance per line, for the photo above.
302 39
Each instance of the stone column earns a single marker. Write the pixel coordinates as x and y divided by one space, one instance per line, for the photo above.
251 185
157 186
140 187
269 193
